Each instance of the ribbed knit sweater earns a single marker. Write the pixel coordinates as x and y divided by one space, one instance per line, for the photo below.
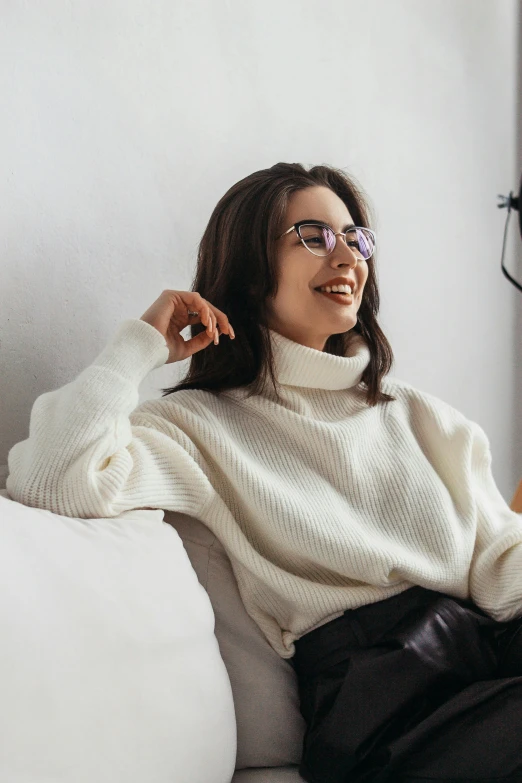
322 502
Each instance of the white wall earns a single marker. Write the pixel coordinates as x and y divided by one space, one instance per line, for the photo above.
125 121
516 269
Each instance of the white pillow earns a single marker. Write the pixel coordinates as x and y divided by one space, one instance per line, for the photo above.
109 667
270 727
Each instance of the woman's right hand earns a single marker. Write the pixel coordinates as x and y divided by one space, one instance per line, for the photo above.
168 314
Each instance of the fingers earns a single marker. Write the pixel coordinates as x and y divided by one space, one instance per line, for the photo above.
215 320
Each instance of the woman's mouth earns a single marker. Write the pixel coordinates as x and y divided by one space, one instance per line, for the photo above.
344 299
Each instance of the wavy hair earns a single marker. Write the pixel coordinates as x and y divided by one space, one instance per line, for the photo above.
237 272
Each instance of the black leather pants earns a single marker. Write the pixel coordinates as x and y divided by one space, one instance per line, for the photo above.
418 688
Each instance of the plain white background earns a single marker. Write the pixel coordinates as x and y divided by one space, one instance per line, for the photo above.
124 122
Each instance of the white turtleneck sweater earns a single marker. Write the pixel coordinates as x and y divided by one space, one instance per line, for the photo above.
322 503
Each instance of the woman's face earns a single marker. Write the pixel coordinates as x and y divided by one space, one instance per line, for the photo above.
298 312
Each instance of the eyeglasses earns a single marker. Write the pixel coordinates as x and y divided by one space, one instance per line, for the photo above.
320 239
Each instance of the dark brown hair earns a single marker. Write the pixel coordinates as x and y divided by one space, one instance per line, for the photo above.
237 272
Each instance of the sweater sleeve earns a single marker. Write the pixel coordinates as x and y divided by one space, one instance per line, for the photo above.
459 450
495 576
91 453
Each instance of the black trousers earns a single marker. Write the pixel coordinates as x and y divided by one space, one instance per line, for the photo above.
418 688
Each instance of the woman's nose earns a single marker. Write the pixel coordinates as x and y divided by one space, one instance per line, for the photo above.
340 236
352 257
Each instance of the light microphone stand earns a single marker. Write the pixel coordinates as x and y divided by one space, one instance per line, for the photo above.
511 202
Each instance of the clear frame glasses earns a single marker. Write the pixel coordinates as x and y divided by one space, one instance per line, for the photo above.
320 239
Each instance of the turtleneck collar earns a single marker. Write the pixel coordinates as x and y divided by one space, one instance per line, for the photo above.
299 365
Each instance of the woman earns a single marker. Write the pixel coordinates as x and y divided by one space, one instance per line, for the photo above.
367 535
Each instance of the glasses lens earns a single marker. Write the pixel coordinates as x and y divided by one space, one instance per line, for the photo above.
361 241
320 240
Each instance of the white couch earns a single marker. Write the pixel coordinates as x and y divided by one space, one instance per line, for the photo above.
127 655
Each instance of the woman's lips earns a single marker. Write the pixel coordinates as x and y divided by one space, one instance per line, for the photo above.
344 299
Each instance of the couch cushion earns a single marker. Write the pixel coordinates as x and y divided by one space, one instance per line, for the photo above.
270 727
109 667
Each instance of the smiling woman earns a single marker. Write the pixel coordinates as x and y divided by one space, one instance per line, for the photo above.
360 515
308 250
272 239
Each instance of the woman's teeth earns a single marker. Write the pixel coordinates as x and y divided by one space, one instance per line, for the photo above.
339 289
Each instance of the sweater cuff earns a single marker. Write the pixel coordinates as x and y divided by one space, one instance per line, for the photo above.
135 349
